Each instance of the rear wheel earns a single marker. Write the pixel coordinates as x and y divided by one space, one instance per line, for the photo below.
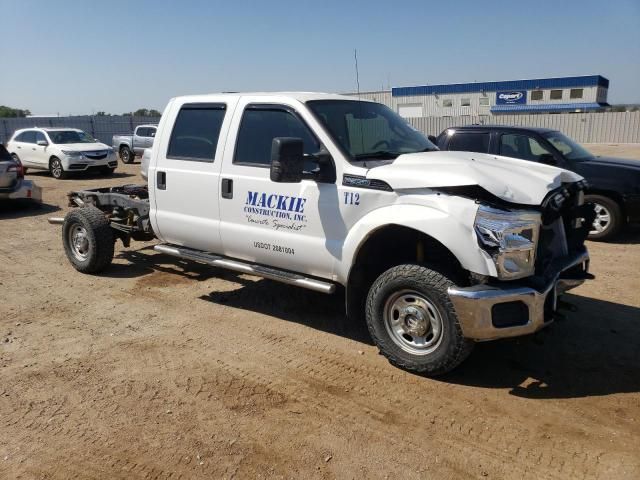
412 320
126 155
56 170
608 219
88 240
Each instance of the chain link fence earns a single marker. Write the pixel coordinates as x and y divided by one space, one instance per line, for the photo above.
101 127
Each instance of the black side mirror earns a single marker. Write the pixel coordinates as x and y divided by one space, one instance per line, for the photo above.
547 159
287 160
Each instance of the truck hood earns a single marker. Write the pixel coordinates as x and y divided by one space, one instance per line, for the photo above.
82 147
512 180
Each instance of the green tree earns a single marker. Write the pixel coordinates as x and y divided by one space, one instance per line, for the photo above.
13 112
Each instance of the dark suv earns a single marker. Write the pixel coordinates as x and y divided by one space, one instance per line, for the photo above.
614 183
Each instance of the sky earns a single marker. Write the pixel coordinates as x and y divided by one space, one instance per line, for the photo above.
79 57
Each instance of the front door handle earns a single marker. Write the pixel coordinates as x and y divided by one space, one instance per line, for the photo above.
161 180
227 188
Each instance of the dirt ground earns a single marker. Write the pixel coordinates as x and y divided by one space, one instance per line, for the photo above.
164 369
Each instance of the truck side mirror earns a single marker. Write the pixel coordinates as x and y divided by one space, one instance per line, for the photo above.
287 160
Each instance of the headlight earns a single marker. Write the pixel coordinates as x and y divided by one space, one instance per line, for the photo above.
510 238
71 153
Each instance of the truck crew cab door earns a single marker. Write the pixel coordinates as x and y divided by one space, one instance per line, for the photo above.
184 177
284 225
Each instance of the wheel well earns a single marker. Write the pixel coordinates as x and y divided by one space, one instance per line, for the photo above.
123 146
51 158
393 245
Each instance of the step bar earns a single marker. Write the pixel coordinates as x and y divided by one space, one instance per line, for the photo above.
251 269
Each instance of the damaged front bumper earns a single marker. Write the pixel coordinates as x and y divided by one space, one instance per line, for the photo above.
488 312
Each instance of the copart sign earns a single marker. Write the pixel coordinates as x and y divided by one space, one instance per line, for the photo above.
511 97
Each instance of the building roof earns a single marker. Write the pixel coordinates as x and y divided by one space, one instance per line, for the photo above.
532 84
546 107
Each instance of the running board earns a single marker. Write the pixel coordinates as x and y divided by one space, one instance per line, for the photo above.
252 269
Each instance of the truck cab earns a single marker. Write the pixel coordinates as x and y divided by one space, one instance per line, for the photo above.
436 250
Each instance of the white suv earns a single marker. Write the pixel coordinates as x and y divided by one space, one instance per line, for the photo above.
61 150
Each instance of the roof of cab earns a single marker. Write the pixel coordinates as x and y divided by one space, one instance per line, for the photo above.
300 96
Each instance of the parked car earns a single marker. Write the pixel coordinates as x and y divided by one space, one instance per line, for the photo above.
12 182
435 249
613 183
130 146
61 151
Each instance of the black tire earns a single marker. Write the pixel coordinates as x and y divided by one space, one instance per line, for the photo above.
126 155
56 169
92 250
427 287
605 207
17 159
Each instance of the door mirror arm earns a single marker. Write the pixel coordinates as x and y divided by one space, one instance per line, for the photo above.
326 171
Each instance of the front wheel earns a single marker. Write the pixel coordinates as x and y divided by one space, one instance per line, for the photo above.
88 240
608 219
56 170
126 155
412 320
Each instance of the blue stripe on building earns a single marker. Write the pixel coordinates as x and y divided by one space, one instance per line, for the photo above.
548 107
533 84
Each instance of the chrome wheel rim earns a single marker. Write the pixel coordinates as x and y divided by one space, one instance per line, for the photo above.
56 168
125 155
79 242
602 220
413 322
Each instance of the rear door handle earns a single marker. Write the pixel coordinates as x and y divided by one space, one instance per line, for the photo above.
227 188
161 180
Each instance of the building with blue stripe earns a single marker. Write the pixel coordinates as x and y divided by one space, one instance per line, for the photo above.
538 95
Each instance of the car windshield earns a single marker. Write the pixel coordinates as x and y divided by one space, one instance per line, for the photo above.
367 130
568 148
70 136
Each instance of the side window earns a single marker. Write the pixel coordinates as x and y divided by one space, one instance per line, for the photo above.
521 146
470 142
152 131
40 136
195 133
555 95
576 93
27 137
260 125
142 132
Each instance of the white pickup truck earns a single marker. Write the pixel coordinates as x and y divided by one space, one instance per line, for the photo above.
128 146
436 250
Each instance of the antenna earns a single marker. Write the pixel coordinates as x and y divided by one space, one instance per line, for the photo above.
355 56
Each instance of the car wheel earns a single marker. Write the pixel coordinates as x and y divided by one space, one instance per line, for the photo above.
608 219
126 155
55 167
88 240
412 320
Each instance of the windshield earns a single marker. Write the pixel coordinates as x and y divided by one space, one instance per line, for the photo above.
70 136
568 148
367 130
